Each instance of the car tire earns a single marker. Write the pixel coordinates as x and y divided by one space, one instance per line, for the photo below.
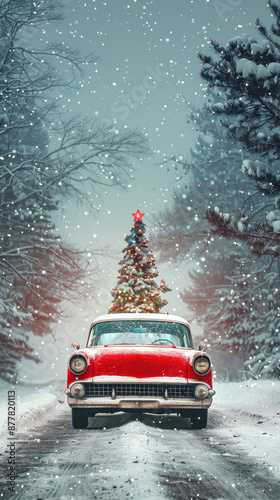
199 419
79 418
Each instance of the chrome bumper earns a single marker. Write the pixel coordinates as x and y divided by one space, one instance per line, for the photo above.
138 403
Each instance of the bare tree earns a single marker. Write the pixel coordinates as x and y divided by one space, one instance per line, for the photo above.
45 155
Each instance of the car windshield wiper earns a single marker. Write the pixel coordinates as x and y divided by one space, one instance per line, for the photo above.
122 343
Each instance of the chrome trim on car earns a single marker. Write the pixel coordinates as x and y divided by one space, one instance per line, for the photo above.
90 379
195 381
152 380
116 379
144 403
201 356
139 390
78 355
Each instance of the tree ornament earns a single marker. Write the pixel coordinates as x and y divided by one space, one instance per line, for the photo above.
138 216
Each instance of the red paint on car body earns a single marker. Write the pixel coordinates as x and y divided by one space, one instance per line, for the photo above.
142 361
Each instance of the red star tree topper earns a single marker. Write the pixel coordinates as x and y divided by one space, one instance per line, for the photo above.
138 215
136 289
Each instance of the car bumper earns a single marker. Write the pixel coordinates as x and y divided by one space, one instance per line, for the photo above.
138 403
152 402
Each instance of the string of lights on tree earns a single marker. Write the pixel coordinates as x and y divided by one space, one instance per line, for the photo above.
136 289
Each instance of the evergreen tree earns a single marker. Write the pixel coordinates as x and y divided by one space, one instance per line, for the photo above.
221 299
137 290
210 172
264 360
246 74
232 325
261 236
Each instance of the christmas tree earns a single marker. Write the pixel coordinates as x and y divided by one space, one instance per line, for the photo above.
136 290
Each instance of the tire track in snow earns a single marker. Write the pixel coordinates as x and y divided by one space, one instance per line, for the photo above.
126 456
111 460
205 466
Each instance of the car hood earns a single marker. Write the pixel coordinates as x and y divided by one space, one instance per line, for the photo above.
139 361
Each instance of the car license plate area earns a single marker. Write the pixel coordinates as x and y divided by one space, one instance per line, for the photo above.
138 404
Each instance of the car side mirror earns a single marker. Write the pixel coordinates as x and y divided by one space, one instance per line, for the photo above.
202 346
75 345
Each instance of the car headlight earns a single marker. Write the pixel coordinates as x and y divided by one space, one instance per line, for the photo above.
77 390
201 391
78 364
201 365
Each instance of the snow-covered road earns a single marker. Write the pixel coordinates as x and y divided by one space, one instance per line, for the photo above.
125 456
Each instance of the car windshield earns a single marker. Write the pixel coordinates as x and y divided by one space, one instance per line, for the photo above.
140 332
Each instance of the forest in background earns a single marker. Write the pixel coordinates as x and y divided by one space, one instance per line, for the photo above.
225 220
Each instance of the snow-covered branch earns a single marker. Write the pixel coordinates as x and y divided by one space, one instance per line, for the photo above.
262 239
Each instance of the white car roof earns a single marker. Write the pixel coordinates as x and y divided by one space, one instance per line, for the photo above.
143 316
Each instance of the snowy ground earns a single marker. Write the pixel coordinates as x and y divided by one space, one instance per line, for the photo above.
251 416
34 404
244 423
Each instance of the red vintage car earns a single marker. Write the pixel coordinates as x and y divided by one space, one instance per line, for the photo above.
139 363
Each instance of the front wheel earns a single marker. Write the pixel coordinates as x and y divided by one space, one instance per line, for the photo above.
79 418
199 419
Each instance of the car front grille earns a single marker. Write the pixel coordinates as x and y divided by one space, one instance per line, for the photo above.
150 390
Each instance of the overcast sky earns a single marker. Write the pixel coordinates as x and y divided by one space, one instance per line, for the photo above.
134 39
